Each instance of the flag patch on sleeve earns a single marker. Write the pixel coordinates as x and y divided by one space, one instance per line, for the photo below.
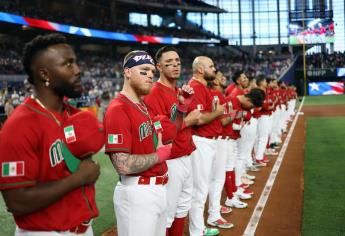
12 169
115 138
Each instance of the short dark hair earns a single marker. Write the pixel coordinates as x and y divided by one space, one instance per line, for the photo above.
237 75
37 45
257 96
260 79
162 50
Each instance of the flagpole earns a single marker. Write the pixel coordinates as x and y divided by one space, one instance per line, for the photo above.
304 54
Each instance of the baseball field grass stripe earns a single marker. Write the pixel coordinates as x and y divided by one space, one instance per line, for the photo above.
324 100
260 206
324 196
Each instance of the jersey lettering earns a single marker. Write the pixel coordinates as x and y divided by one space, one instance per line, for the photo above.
173 112
145 130
55 153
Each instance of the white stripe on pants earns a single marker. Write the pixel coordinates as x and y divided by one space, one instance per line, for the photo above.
202 160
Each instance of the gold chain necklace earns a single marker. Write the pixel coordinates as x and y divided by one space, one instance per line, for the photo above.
45 108
141 106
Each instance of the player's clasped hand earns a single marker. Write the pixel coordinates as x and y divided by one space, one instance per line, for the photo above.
185 97
163 151
88 171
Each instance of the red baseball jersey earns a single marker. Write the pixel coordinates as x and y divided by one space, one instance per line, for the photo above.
215 93
266 104
30 154
162 100
236 91
234 134
227 130
204 101
129 129
229 89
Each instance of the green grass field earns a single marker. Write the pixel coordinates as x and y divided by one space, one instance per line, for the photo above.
104 196
324 196
324 100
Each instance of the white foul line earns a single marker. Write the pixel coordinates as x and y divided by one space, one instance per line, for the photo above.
255 218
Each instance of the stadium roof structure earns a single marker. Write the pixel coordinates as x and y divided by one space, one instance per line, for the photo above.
172 5
95 33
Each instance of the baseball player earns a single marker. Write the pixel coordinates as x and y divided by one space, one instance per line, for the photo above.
137 153
43 195
218 168
265 122
276 132
247 140
204 134
166 99
242 104
242 83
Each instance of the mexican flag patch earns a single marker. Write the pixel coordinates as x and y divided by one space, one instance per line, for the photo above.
12 169
115 138
70 134
158 126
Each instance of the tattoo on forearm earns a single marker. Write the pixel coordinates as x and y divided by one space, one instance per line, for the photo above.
125 163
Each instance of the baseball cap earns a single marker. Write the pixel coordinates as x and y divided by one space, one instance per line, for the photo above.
83 136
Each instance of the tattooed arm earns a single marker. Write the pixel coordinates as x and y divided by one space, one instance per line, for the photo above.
126 164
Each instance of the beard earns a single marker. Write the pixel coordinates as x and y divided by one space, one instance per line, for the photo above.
69 90
209 77
141 90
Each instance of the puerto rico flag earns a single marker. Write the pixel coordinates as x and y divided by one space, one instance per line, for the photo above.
325 88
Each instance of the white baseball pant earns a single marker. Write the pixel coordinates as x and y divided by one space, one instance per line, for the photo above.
179 188
202 160
265 123
218 179
140 209
276 132
247 141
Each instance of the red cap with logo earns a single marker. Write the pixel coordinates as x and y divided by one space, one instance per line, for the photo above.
83 136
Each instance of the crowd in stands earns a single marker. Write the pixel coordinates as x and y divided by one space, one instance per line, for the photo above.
102 75
325 60
105 67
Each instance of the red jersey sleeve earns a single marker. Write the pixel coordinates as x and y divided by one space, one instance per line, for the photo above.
19 144
117 127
